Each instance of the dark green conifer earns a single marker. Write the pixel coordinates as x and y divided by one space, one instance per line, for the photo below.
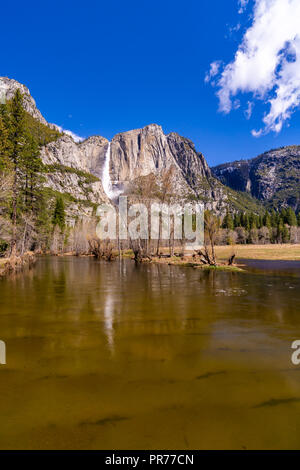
59 213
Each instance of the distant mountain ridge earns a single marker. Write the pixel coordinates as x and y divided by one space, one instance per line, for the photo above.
273 177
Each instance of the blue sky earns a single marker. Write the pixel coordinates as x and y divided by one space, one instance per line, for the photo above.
98 67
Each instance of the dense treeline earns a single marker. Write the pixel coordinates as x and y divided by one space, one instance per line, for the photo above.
272 227
26 217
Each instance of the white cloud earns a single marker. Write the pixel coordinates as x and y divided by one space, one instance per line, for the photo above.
235 29
248 111
267 63
256 133
214 70
75 137
236 104
243 5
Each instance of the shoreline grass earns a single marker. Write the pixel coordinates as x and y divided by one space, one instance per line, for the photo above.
10 265
187 262
276 252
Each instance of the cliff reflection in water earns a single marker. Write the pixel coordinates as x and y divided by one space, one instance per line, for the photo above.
118 355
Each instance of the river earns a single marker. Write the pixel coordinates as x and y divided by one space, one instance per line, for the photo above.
123 356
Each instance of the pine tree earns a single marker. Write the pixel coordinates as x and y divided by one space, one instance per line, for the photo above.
291 218
252 221
279 232
237 220
228 222
17 138
5 171
283 215
267 222
32 168
285 234
59 214
274 220
19 155
246 222
4 114
4 146
43 223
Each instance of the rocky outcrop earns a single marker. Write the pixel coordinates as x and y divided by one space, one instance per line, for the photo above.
92 154
77 185
87 156
273 177
138 153
8 88
235 175
148 150
63 151
191 163
69 168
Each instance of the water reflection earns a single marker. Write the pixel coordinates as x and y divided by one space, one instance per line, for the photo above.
109 321
118 355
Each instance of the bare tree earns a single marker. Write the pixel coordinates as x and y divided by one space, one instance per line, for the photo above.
80 234
6 182
264 235
101 249
166 194
242 235
143 190
211 230
146 190
28 234
57 241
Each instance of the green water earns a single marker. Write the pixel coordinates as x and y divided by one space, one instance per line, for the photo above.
117 356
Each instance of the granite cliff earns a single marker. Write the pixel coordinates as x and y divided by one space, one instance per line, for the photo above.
273 177
141 152
94 170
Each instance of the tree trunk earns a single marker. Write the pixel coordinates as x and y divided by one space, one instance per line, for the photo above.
13 249
159 236
23 239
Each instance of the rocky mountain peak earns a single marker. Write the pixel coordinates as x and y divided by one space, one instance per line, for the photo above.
148 129
273 177
8 88
140 152
94 140
83 169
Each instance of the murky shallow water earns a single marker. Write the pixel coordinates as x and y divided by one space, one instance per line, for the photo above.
120 356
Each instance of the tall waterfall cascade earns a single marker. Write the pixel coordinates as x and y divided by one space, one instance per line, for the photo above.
106 179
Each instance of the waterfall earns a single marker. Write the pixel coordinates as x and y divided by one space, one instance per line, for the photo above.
106 180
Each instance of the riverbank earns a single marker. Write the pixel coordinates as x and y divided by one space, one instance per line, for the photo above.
189 260
284 252
274 252
194 262
9 265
